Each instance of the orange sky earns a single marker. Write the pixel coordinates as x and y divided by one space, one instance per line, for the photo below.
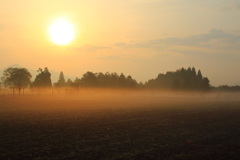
137 37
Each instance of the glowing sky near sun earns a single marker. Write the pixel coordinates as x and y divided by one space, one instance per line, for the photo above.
137 37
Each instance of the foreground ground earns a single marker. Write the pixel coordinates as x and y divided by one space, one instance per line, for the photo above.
119 125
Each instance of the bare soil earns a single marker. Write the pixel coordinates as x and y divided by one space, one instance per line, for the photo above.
120 125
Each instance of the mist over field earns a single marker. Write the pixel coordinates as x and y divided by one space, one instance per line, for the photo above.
120 124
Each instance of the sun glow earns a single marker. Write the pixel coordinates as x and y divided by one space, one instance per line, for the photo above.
61 31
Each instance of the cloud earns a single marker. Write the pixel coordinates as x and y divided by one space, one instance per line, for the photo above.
231 6
90 48
196 40
109 58
120 44
214 39
214 55
237 31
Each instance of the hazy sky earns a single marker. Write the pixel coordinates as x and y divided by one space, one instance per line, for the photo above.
141 38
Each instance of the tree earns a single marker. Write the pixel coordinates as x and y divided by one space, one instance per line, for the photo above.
189 71
16 78
77 83
131 82
43 79
61 81
69 83
141 85
114 78
193 72
176 84
187 78
101 80
89 79
122 80
199 75
187 84
206 85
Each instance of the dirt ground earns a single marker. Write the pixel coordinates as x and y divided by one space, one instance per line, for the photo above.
118 124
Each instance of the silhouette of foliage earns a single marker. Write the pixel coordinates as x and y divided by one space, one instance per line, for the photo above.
16 78
187 84
90 79
77 83
206 85
185 79
181 79
43 79
69 83
176 84
227 88
61 81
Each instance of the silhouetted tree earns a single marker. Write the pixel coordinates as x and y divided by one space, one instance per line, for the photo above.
228 88
187 85
77 83
199 75
193 72
122 80
16 78
187 78
131 83
176 84
89 79
206 85
114 78
141 85
69 83
61 81
189 72
101 78
43 79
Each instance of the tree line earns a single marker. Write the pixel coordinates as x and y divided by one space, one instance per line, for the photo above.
227 88
181 79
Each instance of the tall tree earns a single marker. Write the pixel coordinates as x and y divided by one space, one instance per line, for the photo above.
176 84
188 79
122 80
199 75
206 85
101 78
187 84
89 79
189 71
43 79
69 83
61 81
114 78
193 72
131 82
77 83
16 78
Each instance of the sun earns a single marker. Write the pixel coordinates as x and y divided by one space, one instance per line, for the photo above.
61 31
